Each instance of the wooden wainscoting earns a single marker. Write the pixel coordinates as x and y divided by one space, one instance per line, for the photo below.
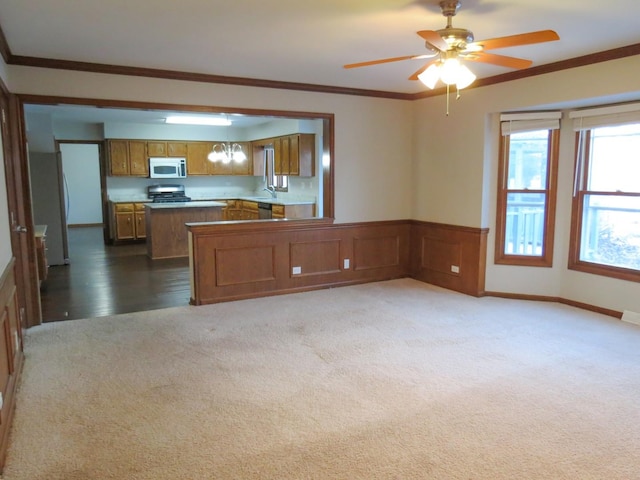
437 249
11 355
238 260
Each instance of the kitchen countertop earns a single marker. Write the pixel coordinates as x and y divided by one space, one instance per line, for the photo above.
192 204
277 201
200 200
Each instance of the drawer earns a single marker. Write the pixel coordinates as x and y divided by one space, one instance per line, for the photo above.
277 210
124 207
138 207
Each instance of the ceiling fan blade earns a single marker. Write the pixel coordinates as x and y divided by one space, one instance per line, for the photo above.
422 69
434 39
540 36
501 60
382 60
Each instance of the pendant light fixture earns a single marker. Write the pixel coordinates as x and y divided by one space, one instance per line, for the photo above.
226 152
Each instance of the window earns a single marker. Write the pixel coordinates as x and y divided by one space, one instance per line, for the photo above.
527 189
279 183
605 233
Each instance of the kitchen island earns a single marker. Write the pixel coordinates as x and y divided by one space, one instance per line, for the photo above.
166 231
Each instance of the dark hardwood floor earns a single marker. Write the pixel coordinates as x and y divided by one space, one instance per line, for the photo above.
105 280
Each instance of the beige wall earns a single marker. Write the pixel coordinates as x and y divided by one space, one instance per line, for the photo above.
373 144
457 160
398 159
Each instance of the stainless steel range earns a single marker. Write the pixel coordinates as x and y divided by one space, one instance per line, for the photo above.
167 193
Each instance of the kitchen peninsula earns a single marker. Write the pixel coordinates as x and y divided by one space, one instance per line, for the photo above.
165 225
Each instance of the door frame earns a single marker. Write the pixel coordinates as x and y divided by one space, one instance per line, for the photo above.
22 235
104 198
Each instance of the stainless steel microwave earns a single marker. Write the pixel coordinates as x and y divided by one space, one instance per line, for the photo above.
162 167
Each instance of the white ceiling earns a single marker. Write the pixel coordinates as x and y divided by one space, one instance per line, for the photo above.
302 41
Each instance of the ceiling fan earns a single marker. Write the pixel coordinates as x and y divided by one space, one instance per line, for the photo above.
449 45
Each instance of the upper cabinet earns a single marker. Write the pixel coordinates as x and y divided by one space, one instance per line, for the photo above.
295 155
199 164
166 149
127 158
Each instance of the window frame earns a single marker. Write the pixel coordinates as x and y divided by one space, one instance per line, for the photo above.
550 192
581 176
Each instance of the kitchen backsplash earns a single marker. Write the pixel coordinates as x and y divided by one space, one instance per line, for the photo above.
133 188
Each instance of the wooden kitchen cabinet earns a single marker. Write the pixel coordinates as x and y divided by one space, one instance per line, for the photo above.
157 149
234 168
129 221
293 211
197 162
295 155
176 149
138 161
127 158
233 210
249 210
166 149
140 222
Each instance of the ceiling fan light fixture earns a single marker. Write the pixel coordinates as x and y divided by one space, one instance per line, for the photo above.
450 70
430 76
465 77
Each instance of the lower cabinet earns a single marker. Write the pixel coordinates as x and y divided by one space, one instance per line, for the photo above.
233 210
129 221
249 210
293 211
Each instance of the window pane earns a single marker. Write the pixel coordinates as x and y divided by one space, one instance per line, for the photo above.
611 230
525 224
528 160
615 159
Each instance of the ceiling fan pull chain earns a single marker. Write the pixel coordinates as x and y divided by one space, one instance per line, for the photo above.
448 86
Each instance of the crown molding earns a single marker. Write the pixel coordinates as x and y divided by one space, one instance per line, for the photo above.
58 64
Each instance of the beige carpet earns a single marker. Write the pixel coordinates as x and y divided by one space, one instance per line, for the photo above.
391 380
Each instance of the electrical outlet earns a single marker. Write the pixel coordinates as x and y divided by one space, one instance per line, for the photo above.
346 264
296 270
455 268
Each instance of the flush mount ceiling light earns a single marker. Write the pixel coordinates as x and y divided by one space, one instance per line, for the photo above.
226 152
197 120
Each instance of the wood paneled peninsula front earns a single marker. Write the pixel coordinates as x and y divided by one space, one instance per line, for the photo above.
165 225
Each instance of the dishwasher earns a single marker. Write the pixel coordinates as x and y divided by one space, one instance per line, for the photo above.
264 210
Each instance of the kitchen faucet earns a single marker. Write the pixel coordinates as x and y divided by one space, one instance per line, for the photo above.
271 190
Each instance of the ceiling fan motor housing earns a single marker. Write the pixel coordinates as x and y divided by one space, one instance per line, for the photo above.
449 7
457 38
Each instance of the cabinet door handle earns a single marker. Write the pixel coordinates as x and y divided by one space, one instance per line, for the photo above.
20 229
